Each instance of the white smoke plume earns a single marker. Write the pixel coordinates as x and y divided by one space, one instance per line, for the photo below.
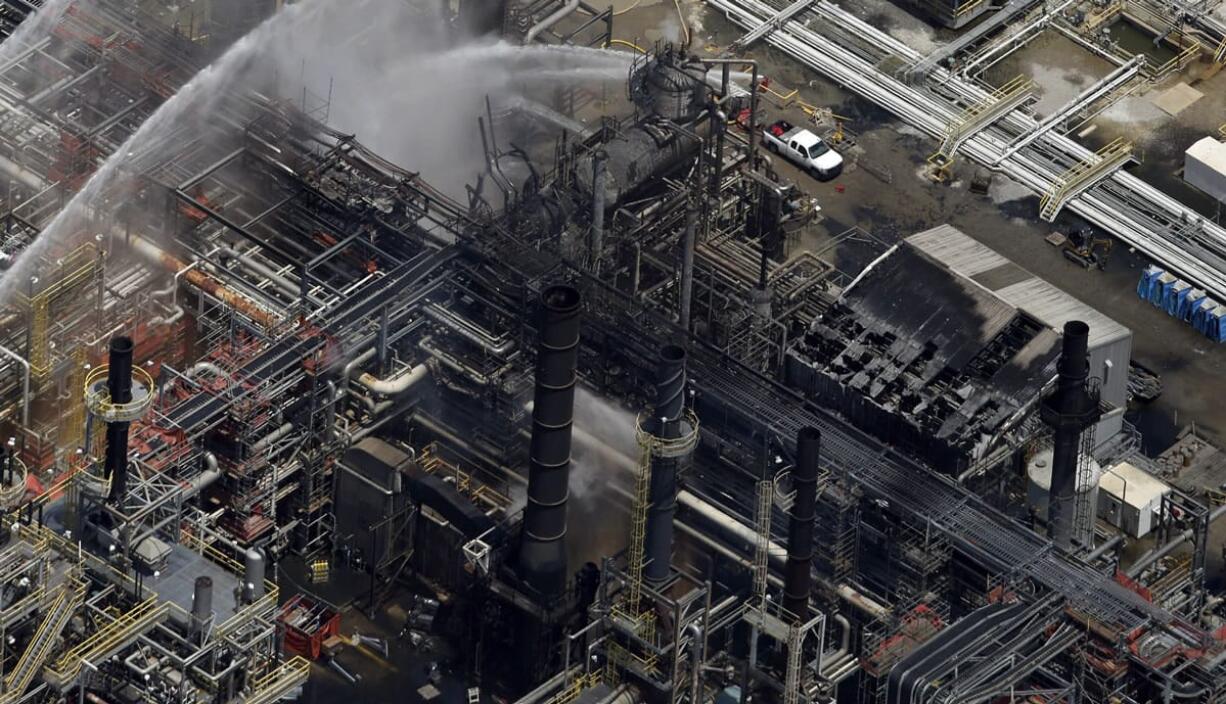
597 472
396 78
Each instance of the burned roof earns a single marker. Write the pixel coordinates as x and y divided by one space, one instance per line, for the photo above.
925 357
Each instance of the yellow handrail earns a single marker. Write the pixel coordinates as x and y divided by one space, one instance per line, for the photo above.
112 636
69 595
98 395
1179 60
279 682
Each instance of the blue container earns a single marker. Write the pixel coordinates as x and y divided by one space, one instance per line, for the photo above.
1175 297
1200 315
1190 303
1161 289
1145 286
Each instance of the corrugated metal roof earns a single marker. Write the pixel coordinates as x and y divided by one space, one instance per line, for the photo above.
1041 300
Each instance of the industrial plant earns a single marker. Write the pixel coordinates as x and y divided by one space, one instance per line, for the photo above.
653 352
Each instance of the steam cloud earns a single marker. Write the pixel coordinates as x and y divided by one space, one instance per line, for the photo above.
592 529
396 78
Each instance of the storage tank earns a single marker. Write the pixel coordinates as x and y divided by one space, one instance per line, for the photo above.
1038 484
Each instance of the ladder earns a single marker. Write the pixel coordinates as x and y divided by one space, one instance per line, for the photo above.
791 687
762 520
638 528
40 350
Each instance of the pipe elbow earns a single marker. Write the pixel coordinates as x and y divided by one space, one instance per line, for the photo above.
395 385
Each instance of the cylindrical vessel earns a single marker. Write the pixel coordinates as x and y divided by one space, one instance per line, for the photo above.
798 577
665 424
202 605
688 243
253 575
596 236
542 554
119 386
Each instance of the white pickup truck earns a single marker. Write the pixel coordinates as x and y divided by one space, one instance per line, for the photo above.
803 148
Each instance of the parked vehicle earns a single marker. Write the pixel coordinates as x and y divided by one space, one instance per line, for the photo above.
803 148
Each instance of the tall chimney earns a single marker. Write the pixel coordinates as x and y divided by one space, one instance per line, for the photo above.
1069 411
542 552
119 386
798 578
665 424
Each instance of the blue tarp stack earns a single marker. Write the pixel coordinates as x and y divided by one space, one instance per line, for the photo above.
1180 300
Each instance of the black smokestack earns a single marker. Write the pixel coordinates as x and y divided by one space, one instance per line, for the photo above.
797 580
1069 411
119 386
666 425
542 555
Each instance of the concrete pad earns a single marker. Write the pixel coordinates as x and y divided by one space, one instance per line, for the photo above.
1177 99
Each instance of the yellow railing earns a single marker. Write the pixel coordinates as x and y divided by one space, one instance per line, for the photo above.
638 530
69 595
1219 54
431 461
12 494
264 605
967 7
1101 17
279 682
1179 61
40 345
1111 155
577 686
990 108
110 637
72 432
98 395
196 543
261 606
86 254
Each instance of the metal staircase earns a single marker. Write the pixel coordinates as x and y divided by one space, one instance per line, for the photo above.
31 661
991 108
1078 179
107 641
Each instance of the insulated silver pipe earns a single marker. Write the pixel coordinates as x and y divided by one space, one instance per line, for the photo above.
557 16
25 384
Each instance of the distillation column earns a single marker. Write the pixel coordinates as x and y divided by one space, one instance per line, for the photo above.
542 552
